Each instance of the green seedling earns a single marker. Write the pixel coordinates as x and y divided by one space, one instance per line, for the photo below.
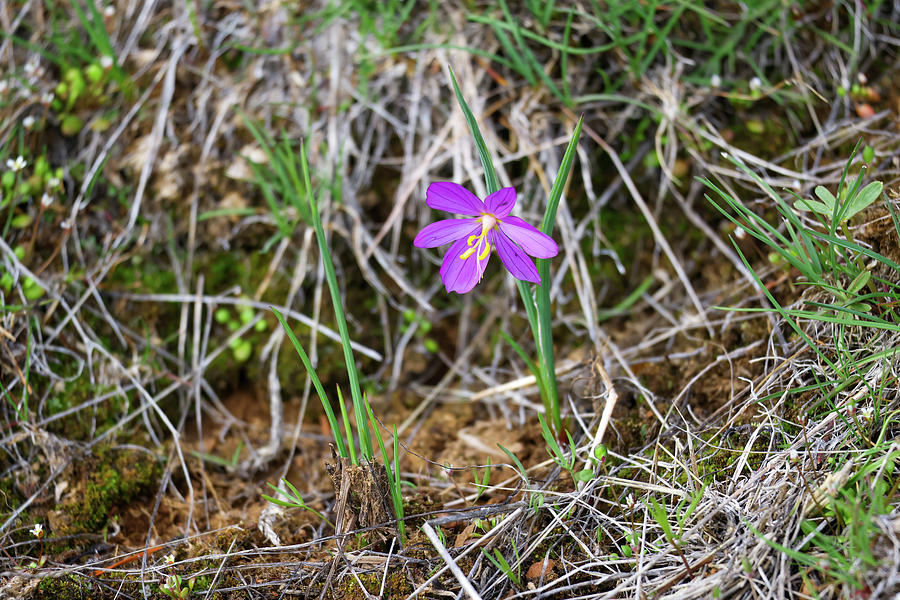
869 155
482 485
292 499
71 125
31 289
518 463
823 259
279 179
499 561
850 202
176 587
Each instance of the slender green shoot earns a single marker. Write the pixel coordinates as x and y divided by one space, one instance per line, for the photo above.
228 463
500 562
518 463
359 407
279 181
392 468
342 446
482 485
345 417
292 499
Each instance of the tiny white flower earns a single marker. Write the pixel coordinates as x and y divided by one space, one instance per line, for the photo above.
46 200
38 530
53 183
109 11
28 122
862 79
106 61
740 233
47 98
16 165
755 84
170 559
31 67
65 225
715 81
3 86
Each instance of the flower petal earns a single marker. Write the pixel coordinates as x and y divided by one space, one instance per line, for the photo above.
529 238
462 274
446 231
501 202
515 260
452 197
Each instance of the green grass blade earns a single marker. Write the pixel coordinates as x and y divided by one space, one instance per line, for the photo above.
622 307
362 429
545 322
517 462
490 175
329 413
345 417
532 366
393 473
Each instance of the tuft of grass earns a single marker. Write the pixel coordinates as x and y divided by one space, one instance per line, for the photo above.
365 419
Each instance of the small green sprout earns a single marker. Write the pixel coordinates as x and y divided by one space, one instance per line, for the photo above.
842 208
501 563
175 587
292 499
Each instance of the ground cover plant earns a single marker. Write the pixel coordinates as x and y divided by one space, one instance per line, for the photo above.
253 344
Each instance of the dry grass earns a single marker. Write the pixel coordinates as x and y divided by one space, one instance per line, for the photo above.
736 452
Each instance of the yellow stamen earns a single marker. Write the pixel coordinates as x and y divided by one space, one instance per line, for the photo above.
475 241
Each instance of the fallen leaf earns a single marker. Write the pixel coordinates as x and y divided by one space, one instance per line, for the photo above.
463 537
541 568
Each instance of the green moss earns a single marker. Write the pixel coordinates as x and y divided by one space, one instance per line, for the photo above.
396 585
719 463
112 479
83 424
67 587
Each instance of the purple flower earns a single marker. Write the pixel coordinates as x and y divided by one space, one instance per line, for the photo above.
473 239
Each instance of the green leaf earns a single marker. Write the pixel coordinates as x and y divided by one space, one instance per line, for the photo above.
825 196
490 175
329 414
584 475
864 198
516 462
813 206
544 338
859 282
359 408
